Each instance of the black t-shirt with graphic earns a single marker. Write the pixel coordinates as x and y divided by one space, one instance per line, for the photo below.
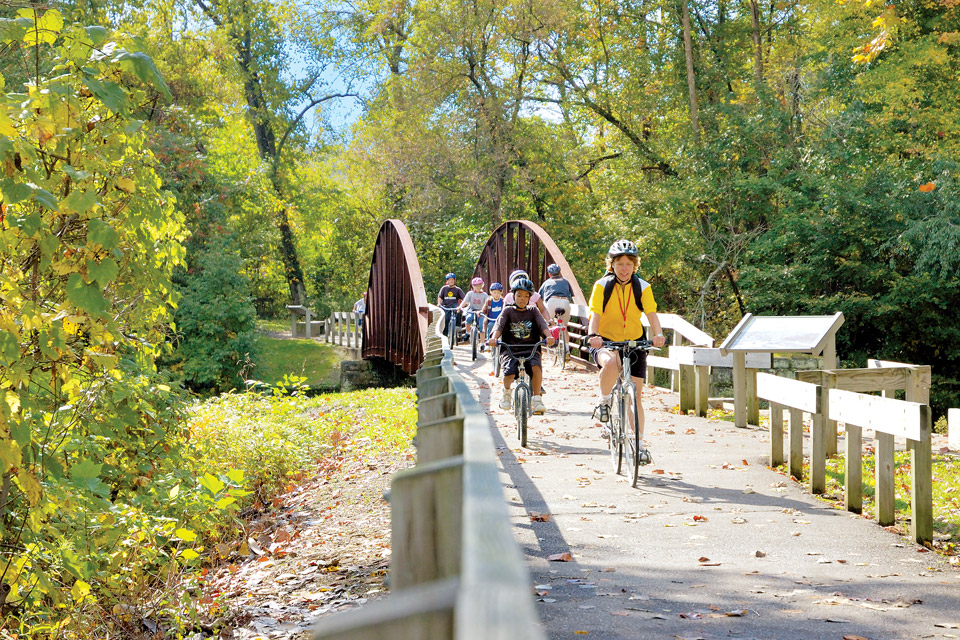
450 297
520 326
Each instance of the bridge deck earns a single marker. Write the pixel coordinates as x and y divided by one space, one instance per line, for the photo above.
711 531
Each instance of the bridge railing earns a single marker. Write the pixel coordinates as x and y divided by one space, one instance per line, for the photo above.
456 568
689 378
342 329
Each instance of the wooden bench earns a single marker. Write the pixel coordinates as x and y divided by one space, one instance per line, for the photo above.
296 311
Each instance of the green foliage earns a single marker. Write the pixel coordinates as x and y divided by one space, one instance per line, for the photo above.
273 438
215 323
88 240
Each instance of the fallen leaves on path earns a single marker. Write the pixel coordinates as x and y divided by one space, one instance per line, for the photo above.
325 548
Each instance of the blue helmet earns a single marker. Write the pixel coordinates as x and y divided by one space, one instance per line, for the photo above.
496 286
450 275
521 284
553 269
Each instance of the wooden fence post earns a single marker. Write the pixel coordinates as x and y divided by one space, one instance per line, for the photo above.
776 434
921 482
884 495
426 514
818 448
687 389
796 443
703 390
853 476
739 389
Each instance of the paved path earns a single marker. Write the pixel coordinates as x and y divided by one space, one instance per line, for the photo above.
712 543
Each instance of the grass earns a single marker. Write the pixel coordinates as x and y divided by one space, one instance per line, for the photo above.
316 361
275 438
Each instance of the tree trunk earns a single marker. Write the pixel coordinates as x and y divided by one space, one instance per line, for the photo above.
691 77
267 148
757 44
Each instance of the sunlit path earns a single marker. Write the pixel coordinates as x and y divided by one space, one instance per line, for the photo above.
712 543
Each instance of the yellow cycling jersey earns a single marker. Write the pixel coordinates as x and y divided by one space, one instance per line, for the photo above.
621 320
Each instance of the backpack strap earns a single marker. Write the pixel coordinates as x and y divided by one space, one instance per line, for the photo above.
610 279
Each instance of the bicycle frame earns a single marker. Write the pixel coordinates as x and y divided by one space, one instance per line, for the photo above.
522 392
621 416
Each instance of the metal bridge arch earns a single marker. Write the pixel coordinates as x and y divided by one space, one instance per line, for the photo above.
397 317
521 244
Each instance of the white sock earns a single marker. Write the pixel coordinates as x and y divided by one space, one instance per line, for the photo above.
605 399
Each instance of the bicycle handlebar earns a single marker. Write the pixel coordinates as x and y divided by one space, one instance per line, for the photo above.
533 349
629 344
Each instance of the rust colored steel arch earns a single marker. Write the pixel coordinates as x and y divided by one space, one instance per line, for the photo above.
396 321
521 244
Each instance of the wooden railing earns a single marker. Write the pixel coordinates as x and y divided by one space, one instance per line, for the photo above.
341 329
833 395
456 568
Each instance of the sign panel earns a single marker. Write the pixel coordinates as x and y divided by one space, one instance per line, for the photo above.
781 334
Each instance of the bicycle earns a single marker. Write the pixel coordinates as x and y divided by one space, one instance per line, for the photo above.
475 339
623 403
451 327
560 348
522 393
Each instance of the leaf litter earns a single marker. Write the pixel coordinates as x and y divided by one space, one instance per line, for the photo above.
325 547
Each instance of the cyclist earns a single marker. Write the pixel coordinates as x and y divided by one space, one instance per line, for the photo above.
473 302
617 304
449 299
520 324
557 294
492 308
535 300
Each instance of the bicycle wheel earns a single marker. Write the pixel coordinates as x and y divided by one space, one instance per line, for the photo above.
473 341
630 447
496 361
521 409
615 441
452 330
562 343
556 353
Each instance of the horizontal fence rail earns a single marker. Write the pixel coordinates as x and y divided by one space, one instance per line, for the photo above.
835 395
456 568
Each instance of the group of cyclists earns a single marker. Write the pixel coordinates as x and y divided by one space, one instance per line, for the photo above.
617 304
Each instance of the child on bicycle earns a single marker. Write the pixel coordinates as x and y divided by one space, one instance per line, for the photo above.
449 299
617 304
522 327
492 308
535 300
473 302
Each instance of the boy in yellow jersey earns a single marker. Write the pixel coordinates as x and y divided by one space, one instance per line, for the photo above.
617 304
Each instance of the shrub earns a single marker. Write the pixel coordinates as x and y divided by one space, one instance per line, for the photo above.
215 323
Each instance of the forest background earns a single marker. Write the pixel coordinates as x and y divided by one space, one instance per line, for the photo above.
777 158
171 170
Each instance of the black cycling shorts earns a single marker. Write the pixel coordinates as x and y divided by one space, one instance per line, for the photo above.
511 366
638 361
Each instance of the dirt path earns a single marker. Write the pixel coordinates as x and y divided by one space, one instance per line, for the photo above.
324 547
